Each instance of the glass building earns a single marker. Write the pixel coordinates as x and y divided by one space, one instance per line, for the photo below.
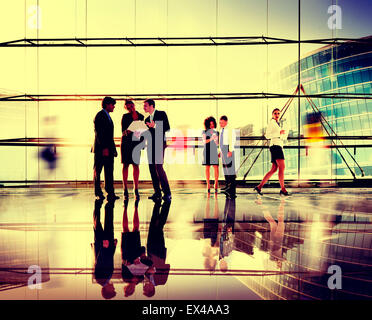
341 69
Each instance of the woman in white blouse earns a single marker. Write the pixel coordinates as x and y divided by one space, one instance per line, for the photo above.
276 135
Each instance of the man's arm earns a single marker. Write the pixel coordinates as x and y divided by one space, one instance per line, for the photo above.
166 126
101 135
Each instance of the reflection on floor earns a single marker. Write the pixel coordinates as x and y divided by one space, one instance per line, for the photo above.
63 244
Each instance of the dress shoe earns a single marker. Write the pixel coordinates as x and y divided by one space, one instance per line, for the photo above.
126 194
225 187
155 196
113 196
136 194
167 198
100 197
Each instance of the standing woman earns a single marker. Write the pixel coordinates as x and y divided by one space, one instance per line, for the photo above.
128 143
210 152
276 135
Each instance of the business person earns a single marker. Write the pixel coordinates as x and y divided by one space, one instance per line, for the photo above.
130 155
156 249
277 136
104 149
158 125
104 247
135 264
210 151
227 153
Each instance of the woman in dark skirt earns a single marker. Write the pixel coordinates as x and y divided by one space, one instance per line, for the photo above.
128 144
210 152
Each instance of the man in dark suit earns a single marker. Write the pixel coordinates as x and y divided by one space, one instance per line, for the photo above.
104 149
158 125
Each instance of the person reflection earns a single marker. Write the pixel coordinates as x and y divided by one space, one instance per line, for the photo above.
135 264
276 234
210 250
227 235
104 247
156 249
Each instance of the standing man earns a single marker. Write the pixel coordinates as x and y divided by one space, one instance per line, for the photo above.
227 145
104 149
158 125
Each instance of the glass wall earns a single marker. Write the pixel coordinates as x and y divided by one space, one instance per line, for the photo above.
28 128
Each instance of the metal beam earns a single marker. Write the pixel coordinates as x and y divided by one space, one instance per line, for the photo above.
173 41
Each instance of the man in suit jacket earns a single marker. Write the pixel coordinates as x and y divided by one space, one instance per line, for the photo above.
227 145
158 125
104 149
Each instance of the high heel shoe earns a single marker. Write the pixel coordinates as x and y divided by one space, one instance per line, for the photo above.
284 193
136 193
258 190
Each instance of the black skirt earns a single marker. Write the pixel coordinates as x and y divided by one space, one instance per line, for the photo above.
276 153
130 152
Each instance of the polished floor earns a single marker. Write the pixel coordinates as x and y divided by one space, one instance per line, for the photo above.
200 246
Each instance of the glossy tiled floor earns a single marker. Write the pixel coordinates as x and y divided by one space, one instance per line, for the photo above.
202 247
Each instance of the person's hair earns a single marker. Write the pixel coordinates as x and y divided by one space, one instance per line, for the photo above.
106 101
276 109
207 123
129 103
223 118
149 293
107 294
150 102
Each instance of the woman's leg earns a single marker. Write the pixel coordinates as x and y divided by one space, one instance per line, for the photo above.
268 175
135 175
281 166
125 218
207 176
136 221
215 177
125 176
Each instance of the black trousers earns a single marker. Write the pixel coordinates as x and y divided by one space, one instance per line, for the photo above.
107 163
228 164
158 175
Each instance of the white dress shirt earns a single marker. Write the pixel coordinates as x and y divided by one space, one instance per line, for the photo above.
273 133
228 137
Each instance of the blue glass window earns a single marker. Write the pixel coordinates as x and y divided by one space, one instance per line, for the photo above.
316 59
326 84
354 108
356 123
349 79
367 88
362 106
303 64
324 70
357 77
365 75
341 80
309 62
359 89
348 124
365 123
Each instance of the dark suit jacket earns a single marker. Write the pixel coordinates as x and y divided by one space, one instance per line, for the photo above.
104 134
160 118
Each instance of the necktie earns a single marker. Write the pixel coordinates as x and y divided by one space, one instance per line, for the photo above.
221 140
